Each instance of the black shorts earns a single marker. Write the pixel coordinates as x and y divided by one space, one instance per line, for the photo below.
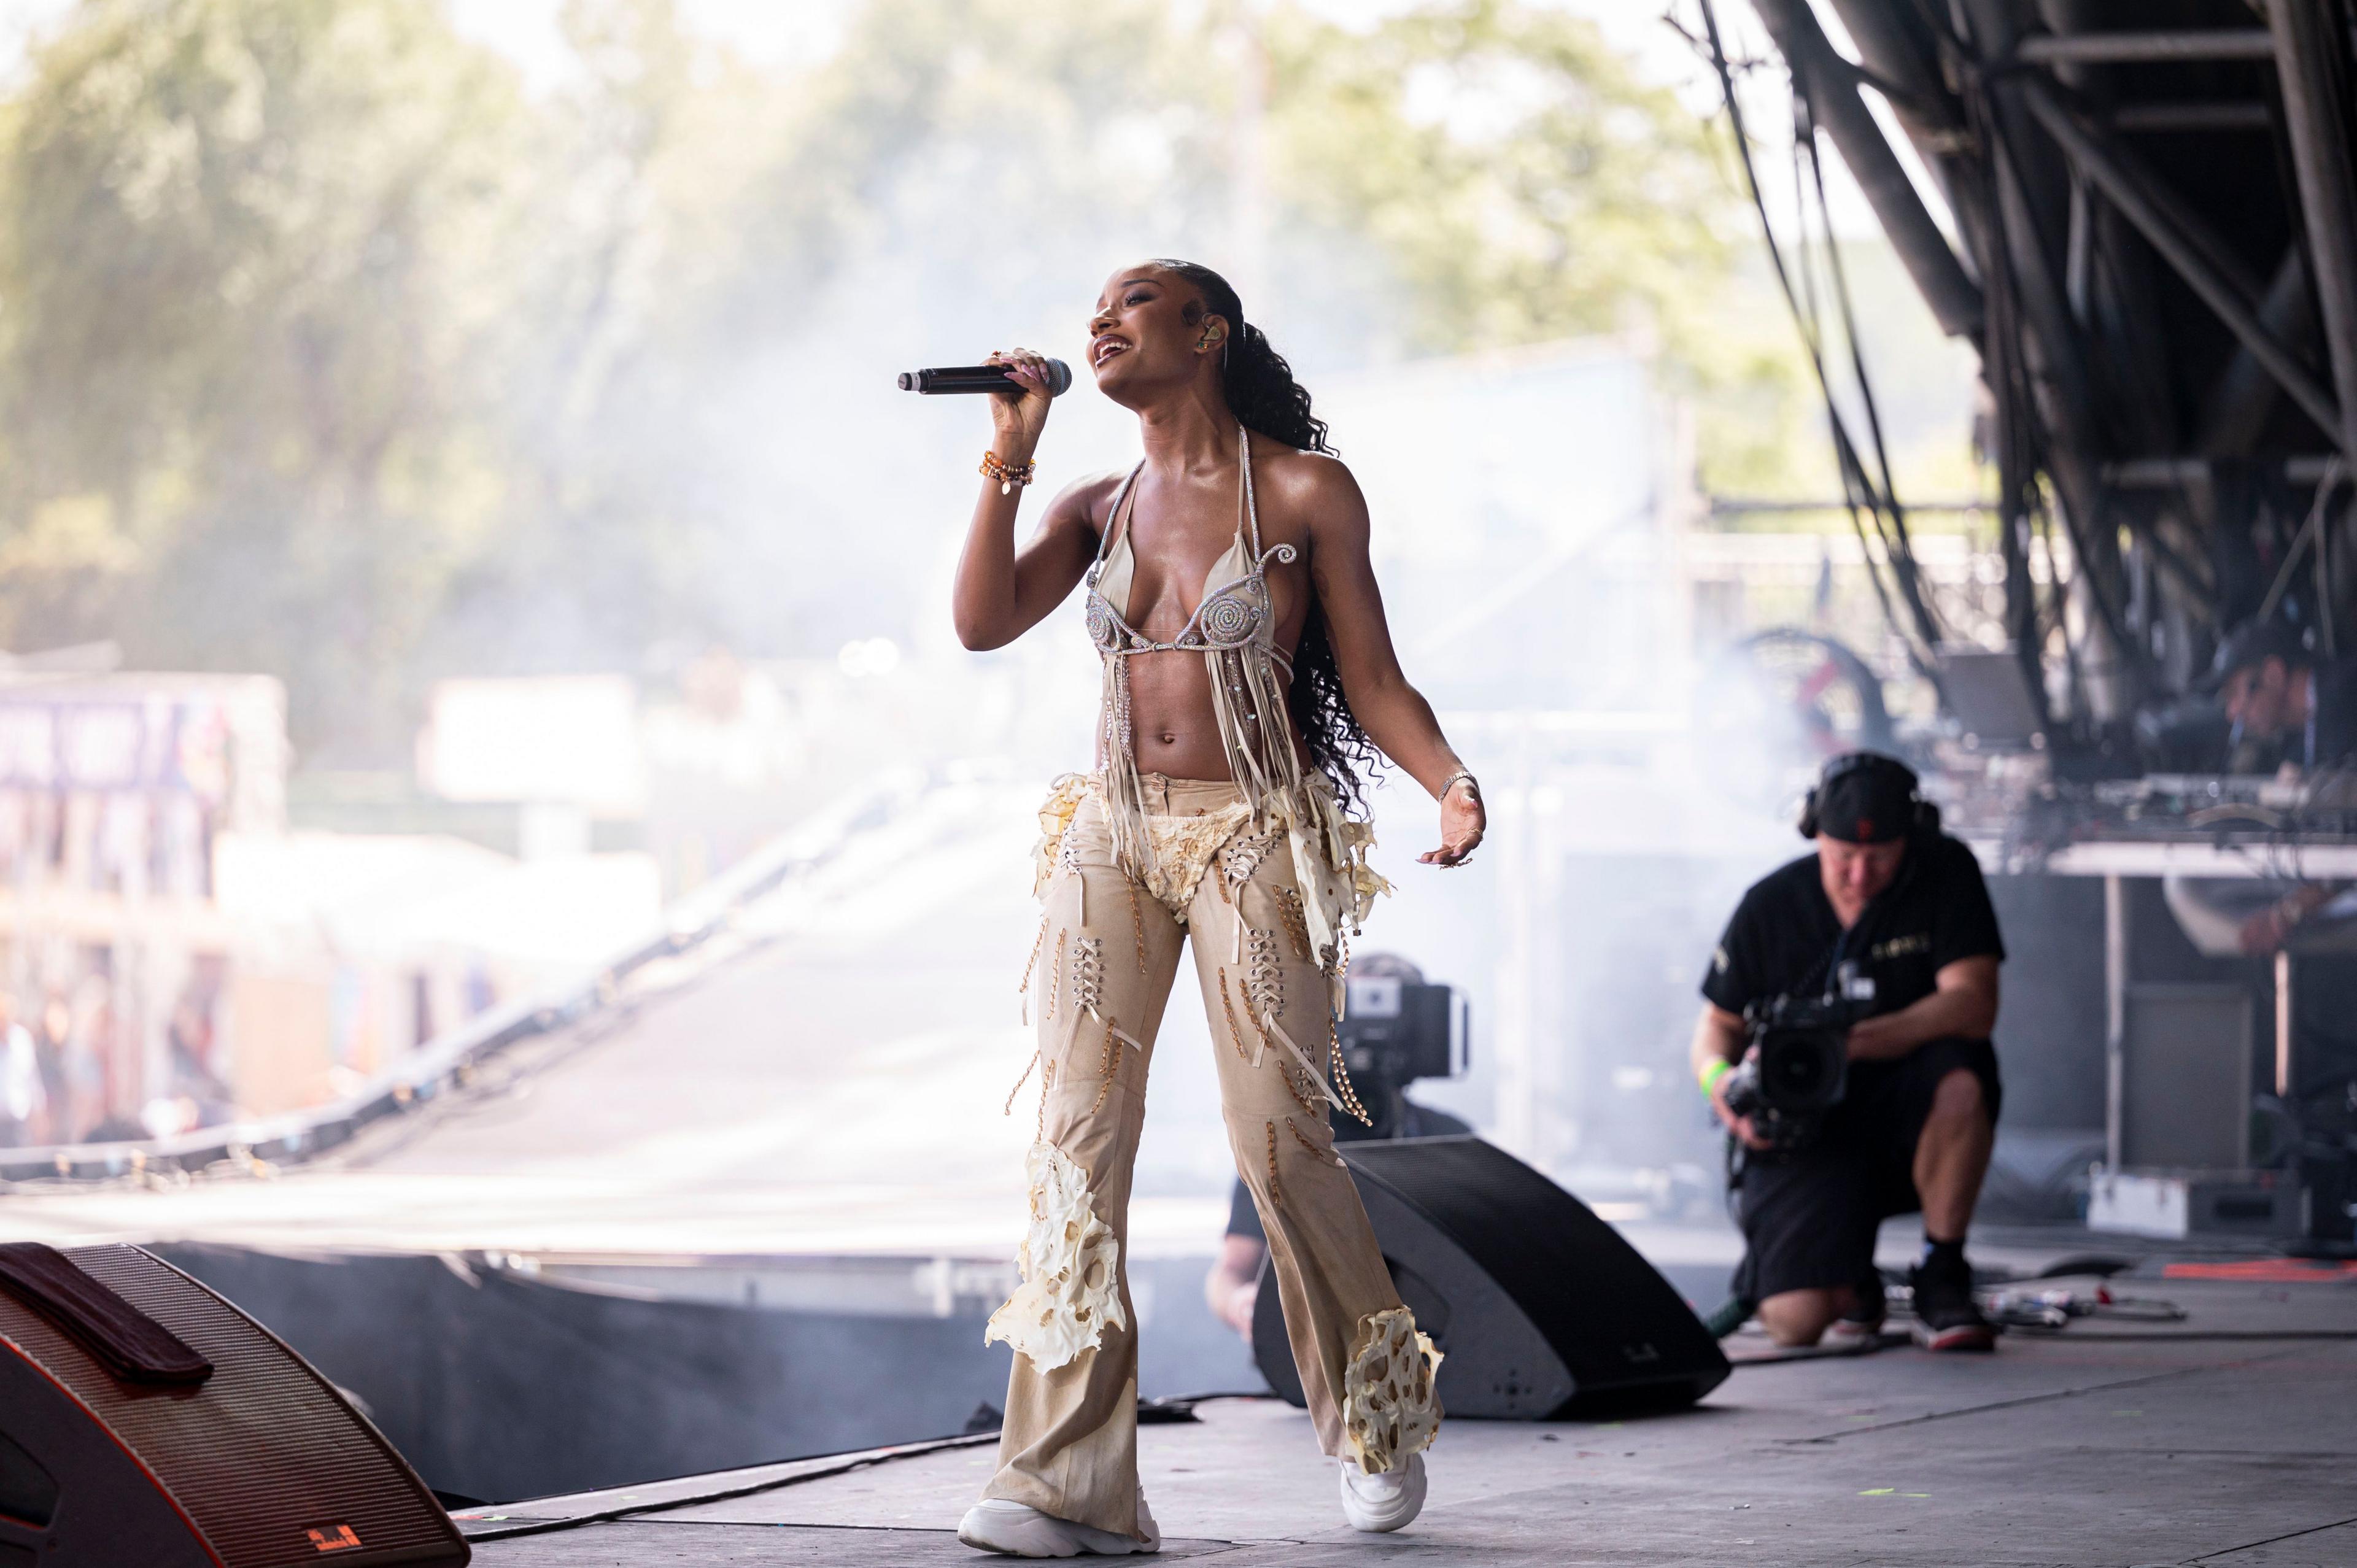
1809 1217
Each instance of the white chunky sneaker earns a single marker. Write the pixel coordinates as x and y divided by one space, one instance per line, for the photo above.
1019 1529
1383 1503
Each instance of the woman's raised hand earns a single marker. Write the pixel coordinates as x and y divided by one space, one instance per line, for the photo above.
1015 422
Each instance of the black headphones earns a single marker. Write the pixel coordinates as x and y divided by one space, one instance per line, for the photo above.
1926 816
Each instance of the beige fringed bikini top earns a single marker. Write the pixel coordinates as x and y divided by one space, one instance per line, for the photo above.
1236 611
1234 629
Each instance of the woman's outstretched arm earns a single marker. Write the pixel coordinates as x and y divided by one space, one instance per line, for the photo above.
1393 714
1001 592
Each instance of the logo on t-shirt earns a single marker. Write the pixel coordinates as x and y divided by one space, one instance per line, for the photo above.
1900 947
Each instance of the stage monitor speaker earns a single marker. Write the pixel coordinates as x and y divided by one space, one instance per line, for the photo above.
263 1464
1540 1308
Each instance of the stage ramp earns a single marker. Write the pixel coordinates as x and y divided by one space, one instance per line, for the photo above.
753 1199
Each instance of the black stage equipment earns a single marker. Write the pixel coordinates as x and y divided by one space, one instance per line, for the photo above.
1539 1307
1801 1070
105 1463
955 379
1396 1031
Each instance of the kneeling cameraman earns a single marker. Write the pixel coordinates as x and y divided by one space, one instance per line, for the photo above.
1882 948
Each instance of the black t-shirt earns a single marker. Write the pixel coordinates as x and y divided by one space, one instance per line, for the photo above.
1783 936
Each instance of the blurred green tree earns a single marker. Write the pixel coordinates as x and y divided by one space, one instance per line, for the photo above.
328 349
1522 185
254 261
1466 175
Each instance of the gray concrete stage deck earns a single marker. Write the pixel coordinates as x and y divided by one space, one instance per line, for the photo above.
2229 1438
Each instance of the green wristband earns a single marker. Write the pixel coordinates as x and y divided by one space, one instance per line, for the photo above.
1709 1075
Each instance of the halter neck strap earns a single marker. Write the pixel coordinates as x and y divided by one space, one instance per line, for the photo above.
1252 512
1251 506
1113 518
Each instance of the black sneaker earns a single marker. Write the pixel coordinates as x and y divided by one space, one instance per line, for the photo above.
1860 1328
1946 1315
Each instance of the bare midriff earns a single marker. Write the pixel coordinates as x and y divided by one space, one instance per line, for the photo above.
1175 732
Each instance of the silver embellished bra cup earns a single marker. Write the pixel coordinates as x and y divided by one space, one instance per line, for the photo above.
1233 616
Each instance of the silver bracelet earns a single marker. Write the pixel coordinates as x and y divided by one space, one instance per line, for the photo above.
1450 783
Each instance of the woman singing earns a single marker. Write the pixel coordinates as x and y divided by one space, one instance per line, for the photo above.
1249 677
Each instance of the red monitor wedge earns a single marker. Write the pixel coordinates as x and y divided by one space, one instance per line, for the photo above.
263 1464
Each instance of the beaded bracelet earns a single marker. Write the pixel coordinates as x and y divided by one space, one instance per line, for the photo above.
1009 474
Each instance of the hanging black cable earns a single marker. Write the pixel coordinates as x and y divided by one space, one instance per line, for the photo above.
1809 319
2020 454
2057 610
1901 547
1987 126
1855 482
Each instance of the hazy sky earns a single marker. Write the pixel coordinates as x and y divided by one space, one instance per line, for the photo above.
782 29
779 30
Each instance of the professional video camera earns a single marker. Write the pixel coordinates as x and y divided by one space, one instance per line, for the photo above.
1395 1030
1797 1068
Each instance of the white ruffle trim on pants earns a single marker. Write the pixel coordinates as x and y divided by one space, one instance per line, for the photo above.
1388 1408
1071 1269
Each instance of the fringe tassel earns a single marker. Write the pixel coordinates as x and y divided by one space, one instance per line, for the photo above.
1276 1031
1304 1140
1019 1083
1105 1070
1246 760
1227 1006
1350 1101
1306 1100
1118 1033
1124 790
1136 924
1024 990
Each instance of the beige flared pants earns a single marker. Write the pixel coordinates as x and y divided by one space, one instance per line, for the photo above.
1101 971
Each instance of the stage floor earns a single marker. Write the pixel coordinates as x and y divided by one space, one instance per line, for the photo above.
2228 1438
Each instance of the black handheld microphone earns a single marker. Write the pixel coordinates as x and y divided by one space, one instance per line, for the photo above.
981 378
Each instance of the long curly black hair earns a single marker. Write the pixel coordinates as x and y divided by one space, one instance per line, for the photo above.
1266 401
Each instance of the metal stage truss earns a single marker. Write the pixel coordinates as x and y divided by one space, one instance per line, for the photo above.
2150 233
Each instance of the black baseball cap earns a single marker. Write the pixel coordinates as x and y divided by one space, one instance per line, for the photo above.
1866 798
2254 643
